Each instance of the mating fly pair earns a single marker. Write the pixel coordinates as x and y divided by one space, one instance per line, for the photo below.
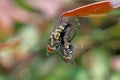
60 39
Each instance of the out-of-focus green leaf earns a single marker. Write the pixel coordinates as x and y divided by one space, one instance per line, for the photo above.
114 31
99 35
115 76
29 36
115 12
81 75
99 68
24 5
3 77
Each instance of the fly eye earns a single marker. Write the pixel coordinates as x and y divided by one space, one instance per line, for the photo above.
50 49
66 59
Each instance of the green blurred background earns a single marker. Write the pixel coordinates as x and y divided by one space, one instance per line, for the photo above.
24 29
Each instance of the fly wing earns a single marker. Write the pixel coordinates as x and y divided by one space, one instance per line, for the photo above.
90 9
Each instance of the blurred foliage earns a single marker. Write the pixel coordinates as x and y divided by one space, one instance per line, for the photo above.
24 5
24 29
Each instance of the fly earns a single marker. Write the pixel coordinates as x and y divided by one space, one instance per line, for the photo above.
60 39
